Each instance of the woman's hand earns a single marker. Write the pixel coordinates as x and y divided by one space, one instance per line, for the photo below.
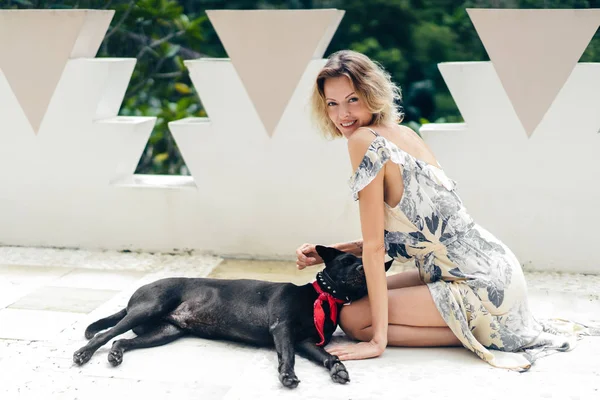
358 351
307 256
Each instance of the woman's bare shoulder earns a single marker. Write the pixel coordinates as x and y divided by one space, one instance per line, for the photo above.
358 144
411 142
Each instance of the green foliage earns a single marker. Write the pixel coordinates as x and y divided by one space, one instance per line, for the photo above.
408 37
160 35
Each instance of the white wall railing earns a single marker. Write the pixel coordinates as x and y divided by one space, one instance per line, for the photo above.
261 185
526 159
253 191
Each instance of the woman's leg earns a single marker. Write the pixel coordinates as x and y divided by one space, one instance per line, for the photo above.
404 279
414 320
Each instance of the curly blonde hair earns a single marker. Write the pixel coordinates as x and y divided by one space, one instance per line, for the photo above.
370 81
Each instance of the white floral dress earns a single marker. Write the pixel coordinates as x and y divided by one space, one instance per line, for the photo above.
476 282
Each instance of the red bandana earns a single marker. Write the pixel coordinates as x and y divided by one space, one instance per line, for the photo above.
319 314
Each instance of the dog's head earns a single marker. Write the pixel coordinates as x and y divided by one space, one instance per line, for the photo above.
344 275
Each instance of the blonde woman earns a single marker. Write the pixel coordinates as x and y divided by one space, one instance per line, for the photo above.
468 288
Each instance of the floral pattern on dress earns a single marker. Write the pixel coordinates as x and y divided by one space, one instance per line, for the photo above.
475 281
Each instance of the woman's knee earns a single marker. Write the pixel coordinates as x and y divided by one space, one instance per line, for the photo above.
353 322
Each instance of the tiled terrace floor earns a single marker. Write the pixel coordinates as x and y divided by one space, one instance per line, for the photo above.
47 298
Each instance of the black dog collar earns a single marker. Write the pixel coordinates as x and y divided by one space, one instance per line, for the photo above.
328 285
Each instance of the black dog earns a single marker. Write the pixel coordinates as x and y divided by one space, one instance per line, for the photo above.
291 317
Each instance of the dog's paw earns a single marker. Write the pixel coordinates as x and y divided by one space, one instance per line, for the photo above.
289 380
115 357
338 373
82 356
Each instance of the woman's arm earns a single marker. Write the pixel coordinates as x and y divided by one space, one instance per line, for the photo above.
308 256
372 225
355 247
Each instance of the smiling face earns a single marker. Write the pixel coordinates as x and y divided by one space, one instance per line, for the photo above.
345 108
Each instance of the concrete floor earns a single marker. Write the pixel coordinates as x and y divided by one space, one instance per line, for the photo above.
48 297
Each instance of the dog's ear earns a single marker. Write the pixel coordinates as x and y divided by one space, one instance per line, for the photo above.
388 264
328 253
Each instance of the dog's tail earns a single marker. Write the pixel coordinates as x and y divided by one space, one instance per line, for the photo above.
104 323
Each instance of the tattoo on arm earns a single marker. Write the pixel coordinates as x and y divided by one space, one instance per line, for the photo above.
359 246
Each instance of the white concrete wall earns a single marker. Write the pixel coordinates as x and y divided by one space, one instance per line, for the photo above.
70 183
538 194
253 193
